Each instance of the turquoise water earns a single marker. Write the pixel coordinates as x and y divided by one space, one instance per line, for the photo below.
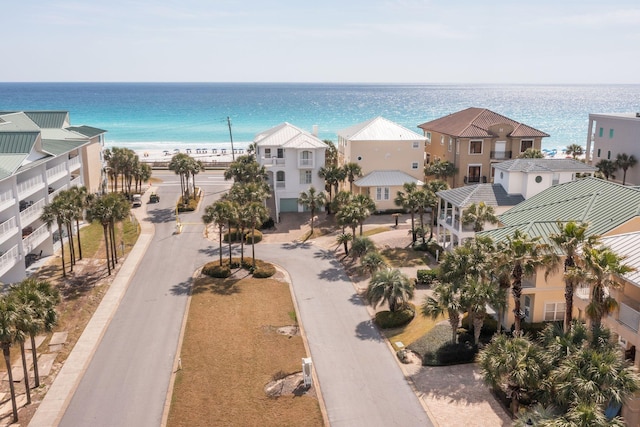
170 115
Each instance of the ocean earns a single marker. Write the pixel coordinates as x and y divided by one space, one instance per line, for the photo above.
180 115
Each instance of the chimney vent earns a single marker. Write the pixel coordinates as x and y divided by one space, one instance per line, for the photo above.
315 129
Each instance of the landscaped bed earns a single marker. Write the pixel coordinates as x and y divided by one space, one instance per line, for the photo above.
232 349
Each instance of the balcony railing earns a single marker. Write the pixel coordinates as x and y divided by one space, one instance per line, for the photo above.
475 179
6 200
280 184
30 186
56 173
74 163
273 161
54 193
629 316
500 155
35 238
305 163
583 292
31 213
8 229
9 259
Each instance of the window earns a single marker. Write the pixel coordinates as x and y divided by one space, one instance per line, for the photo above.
305 177
428 135
450 144
601 132
281 153
280 176
527 307
427 158
306 158
474 174
414 165
610 133
608 155
416 144
525 145
441 139
475 147
267 153
382 193
598 152
555 179
554 311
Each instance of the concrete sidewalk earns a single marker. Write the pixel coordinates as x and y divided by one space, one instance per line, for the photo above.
53 406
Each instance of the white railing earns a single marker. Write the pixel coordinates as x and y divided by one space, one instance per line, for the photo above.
277 160
74 163
583 292
305 163
6 200
56 172
280 184
32 213
30 186
35 238
56 192
75 181
8 228
9 259
629 317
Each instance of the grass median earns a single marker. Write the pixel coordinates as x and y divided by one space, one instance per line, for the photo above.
231 350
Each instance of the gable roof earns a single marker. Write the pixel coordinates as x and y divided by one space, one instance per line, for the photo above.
379 129
87 131
544 165
490 194
287 135
393 178
603 205
475 123
17 142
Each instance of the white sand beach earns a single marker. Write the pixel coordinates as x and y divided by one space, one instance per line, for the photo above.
215 155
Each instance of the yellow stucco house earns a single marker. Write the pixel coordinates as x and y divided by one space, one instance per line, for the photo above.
388 154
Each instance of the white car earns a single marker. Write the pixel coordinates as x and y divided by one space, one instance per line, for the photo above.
136 200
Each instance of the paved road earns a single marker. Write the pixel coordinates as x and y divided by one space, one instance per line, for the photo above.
127 380
361 382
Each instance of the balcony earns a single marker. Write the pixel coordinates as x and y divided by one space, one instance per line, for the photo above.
56 172
54 193
74 163
7 200
583 292
9 259
30 186
8 229
305 163
500 155
629 316
273 161
280 184
35 238
475 179
32 212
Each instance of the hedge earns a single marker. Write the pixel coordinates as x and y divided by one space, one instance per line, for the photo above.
394 319
235 236
426 277
214 269
262 271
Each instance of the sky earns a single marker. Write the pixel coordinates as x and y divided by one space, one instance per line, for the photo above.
372 41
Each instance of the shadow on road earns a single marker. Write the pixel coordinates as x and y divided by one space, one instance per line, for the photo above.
331 275
296 245
158 216
366 331
355 299
182 288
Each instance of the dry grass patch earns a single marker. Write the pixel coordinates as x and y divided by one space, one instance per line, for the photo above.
411 332
231 350
401 257
376 230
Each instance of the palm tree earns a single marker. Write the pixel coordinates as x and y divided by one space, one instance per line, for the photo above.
445 300
570 239
441 170
362 246
574 150
365 207
349 216
25 321
407 200
531 153
330 154
42 298
106 210
424 199
607 168
624 162
254 213
219 213
9 334
514 365
478 215
246 169
332 176
341 199
520 256
390 286
344 239
312 201
54 212
476 295
351 172
372 262
432 187
79 197
180 165
599 268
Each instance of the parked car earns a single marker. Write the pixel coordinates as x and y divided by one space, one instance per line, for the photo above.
136 200
154 198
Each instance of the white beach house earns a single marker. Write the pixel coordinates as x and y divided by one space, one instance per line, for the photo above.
41 154
292 158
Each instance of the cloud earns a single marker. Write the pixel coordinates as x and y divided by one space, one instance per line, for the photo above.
600 19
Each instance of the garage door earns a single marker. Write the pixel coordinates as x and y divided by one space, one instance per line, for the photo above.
288 205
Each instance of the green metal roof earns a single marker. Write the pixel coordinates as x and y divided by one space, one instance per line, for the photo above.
48 119
60 146
602 204
17 142
10 163
87 131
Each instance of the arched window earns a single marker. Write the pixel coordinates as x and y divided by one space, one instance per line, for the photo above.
280 176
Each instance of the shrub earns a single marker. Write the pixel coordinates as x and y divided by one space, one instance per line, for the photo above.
394 319
257 237
453 354
189 207
426 277
264 270
269 223
433 248
234 234
214 269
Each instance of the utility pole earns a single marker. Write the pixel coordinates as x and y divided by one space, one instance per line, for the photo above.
233 152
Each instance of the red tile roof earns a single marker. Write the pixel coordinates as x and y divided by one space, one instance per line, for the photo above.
475 123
